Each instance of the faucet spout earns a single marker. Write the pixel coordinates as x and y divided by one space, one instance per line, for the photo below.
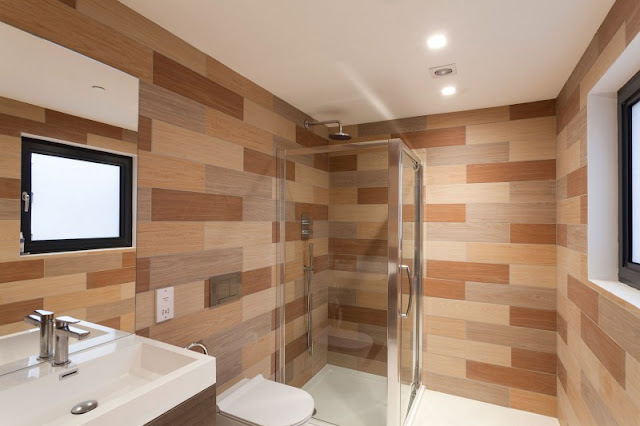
64 330
44 320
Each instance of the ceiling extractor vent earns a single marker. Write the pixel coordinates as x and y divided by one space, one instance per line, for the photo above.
443 71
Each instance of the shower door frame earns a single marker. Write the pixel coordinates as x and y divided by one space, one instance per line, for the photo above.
394 237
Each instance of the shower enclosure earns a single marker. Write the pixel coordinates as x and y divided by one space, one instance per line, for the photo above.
350 279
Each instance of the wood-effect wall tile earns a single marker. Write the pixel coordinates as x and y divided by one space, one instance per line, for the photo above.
238 184
467 271
434 138
168 205
230 129
543 362
21 270
512 377
468 118
511 172
445 213
159 171
584 297
545 108
542 319
468 154
533 233
161 104
111 277
237 83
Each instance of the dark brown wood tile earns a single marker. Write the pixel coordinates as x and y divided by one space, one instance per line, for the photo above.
321 161
446 213
9 188
358 314
15 312
21 270
316 211
309 139
403 125
180 79
584 207
256 280
532 318
512 377
15 126
567 109
533 109
468 271
533 233
562 375
145 133
584 297
61 119
577 182
193 206
259 163
143 277
343 163
358 247
373 196
129 259
562 327
610 354
543 362
434 138
512 172
447 289
111 277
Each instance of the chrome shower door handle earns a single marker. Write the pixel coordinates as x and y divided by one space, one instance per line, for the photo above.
410 278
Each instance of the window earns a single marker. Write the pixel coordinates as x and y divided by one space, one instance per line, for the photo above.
74 198
629 134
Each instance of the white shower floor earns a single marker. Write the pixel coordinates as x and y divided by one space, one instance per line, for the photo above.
347 397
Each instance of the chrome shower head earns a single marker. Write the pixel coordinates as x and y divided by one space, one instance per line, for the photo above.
338 136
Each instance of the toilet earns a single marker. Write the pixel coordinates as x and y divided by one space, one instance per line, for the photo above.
262 402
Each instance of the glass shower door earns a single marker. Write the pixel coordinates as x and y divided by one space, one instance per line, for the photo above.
405 273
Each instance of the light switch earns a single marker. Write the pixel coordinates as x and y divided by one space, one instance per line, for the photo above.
164 304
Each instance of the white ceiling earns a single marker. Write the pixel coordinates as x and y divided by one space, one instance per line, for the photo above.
366 60
45 74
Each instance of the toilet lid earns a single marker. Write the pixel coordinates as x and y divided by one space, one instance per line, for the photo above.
267 403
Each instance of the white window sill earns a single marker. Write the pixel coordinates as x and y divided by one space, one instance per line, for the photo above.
620 290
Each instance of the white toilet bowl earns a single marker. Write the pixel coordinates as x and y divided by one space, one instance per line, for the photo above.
262 402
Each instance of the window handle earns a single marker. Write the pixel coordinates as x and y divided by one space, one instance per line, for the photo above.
26 198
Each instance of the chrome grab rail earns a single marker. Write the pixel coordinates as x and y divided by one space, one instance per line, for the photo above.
411 283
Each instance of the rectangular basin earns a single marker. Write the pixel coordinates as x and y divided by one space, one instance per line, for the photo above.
134 380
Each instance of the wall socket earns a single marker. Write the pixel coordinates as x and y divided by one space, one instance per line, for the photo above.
164 304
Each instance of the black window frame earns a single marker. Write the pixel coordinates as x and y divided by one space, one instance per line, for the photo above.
30 146
628 96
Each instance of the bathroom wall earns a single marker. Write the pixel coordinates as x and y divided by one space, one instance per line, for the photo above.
98 286
307 193
358 215
490 251
598 345
207 187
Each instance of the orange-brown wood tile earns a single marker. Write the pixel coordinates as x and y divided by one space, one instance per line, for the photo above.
584 209
434 138
179 79
561 324
21 270
610 354
316 211
567 109
129 259
511 172
309 139
343 163
144 133
61 119
532 318
256 280
259 163
292 231
9 188
533 233
561 234
15 312
533 109
447 289
543 362
584 297
143 278
70 3
111 277
445 213
577 182
373 196
358 247
562 375
192 206
358 314
15 126
468 271
321 161
512 377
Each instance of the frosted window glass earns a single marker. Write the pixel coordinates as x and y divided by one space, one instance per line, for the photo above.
73 199
635 183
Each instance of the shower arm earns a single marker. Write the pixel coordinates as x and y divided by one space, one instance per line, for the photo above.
308 124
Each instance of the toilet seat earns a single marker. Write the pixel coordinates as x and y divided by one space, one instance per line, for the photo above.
266 403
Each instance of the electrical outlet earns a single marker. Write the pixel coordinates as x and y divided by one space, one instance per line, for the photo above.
164 304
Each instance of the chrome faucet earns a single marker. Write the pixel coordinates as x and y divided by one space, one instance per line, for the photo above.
63 332
44 320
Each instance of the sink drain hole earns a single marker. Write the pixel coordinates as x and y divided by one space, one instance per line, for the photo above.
84 407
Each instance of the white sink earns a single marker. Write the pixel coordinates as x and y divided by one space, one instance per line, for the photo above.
134 380
20 350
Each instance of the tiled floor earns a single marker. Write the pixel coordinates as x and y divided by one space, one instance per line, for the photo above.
351 398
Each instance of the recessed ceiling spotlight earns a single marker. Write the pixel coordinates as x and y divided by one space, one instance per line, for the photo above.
448 90
437 41
99 89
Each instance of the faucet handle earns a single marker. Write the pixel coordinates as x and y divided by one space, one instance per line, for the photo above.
65 321
45 316
39 317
